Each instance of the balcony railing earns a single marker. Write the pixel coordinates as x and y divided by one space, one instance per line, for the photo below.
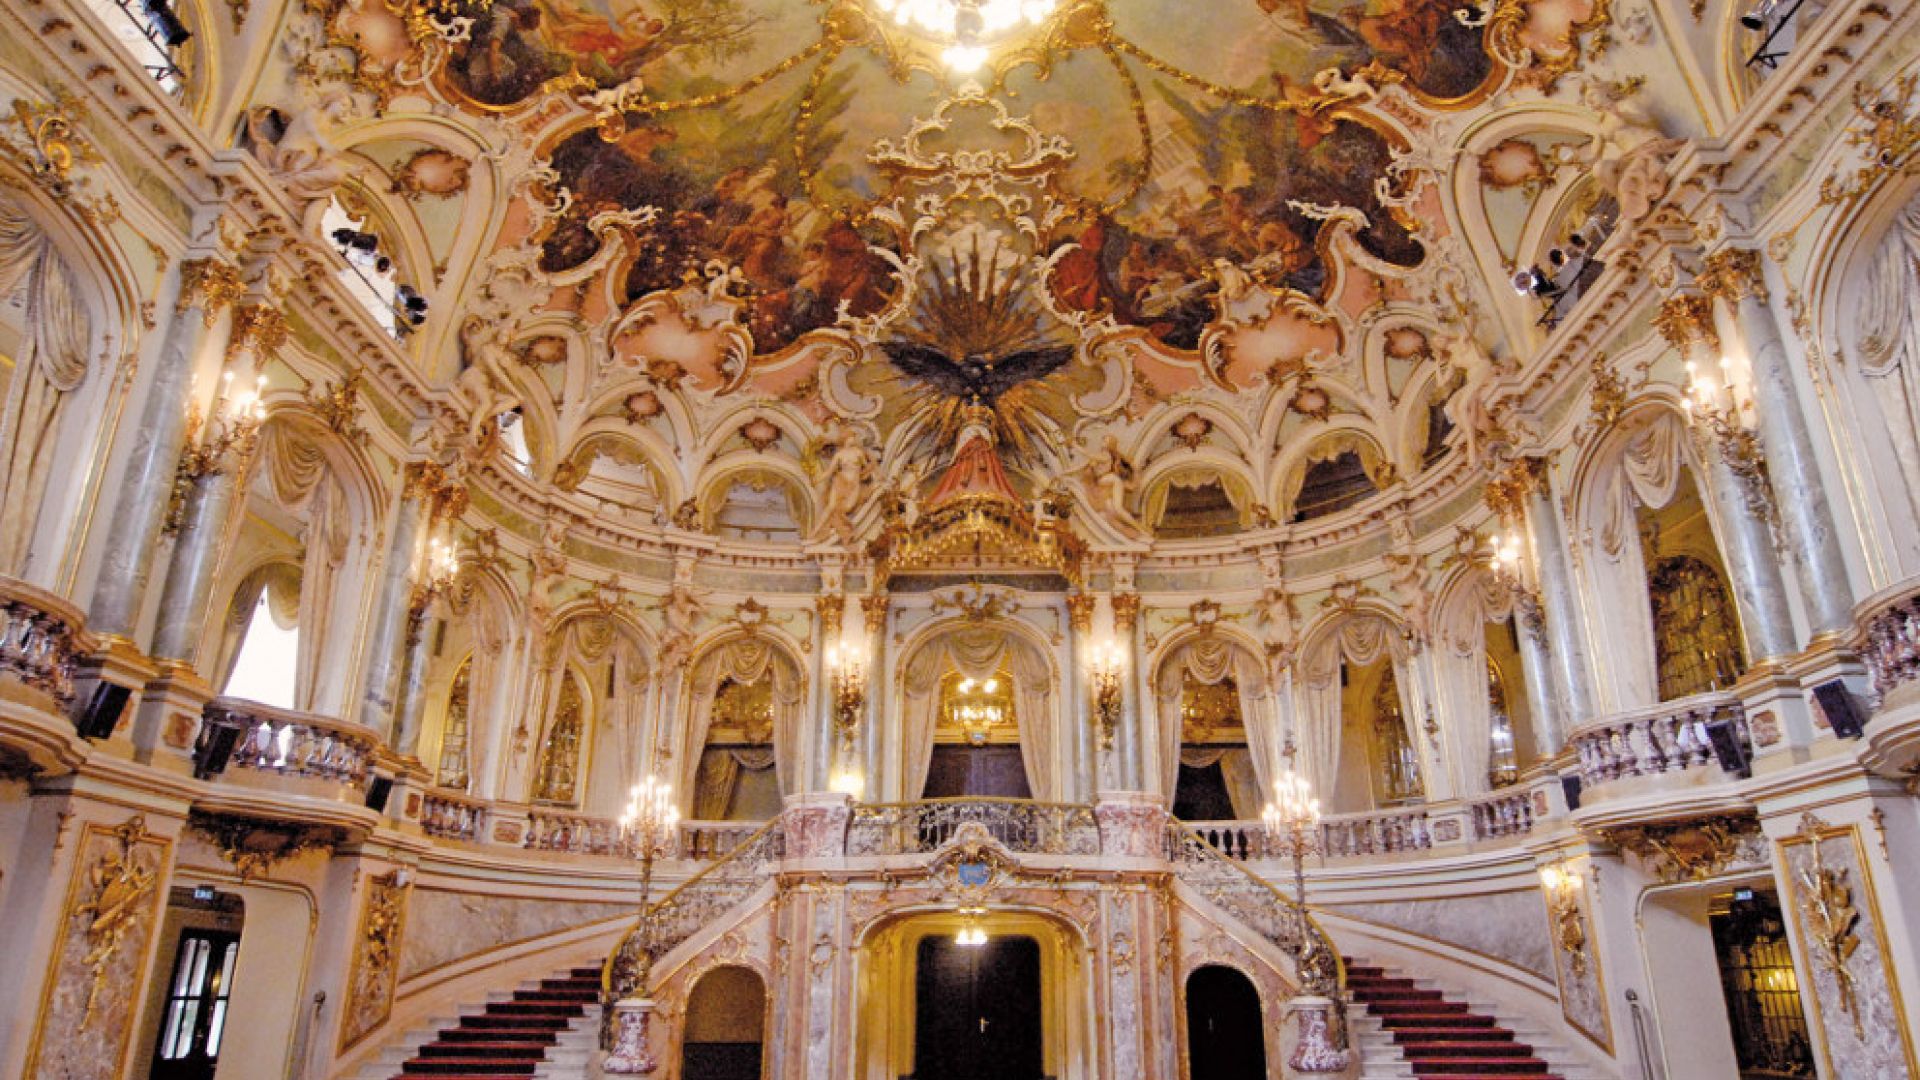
1891 619
453 816
1376 833
41 638
1672 736
1023 826
549 829
1502 814
282 742
700 901
705 841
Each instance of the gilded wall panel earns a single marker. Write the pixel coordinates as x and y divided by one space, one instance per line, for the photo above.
96 974
1836 919
375 958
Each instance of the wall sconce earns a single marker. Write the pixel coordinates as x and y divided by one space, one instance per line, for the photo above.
1506 561
1715 409
847 668
1562 890
443 565
227 434
1104 663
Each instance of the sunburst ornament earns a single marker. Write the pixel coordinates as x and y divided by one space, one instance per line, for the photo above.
967 29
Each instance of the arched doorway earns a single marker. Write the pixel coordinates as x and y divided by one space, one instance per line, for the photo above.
922 994
977 1008
726 1026
1226 1038
978 705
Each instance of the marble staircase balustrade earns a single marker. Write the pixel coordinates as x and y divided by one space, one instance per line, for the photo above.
1890 623
449 815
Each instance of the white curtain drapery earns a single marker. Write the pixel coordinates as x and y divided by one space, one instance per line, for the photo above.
978 653
1209 660
746 661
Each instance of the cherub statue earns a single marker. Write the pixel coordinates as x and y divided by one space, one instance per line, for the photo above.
844 482
1108 477
1467 408
1628 152
482 388
294 147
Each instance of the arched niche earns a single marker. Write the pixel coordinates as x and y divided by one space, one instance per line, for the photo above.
745 710
62 333
757 503
309 500
1225 1026
472 688
595 674
1345 666
1197 500
1639 510
724 1037
978 649
1481 701
1213 672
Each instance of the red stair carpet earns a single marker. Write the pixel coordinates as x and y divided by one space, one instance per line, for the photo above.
1441 1039
511 1038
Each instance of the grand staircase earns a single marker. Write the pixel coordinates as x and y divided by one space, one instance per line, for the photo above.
547 1029
1434 1035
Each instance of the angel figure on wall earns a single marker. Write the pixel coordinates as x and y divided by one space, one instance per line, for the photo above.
295 148
1628 152
482 388
1466 408
1108 478
849 468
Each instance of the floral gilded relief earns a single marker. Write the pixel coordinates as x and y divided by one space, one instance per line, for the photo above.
112 908
1583 996
376 957
1837 921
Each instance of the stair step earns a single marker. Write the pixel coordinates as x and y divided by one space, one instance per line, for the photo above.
513 1036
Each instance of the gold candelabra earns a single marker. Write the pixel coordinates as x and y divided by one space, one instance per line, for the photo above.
1292 823
1104 665
849 701
1715 408
650 827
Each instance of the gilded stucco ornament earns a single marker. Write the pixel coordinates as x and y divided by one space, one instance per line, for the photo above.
118 889
1694 850
45 140
1886 133
1825 897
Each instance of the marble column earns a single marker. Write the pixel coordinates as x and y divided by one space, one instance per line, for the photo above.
1569 654
412 700
1075 698
1746 542
390 614
204 289
188 587
219 466
1536 668
1799 495
1131 757
871 748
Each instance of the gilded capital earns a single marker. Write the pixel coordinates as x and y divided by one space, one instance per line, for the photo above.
210 285
1126 611
1080 612
1734 274
259 328
874 607
1507 493
1686 320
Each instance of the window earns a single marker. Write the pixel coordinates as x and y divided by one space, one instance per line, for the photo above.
1396 762
269 655
453 733
1696 637
557 778
1503 762
196 1013
151 31
369 275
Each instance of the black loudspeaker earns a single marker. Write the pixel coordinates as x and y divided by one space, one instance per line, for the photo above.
1729 749
378 789
214 750
103 711
1842 711
1570 787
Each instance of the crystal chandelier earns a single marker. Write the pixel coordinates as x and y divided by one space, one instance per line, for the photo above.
966 27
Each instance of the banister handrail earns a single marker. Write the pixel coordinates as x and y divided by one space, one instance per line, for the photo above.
1312 930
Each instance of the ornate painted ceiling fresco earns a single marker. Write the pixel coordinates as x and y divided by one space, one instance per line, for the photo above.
877 212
